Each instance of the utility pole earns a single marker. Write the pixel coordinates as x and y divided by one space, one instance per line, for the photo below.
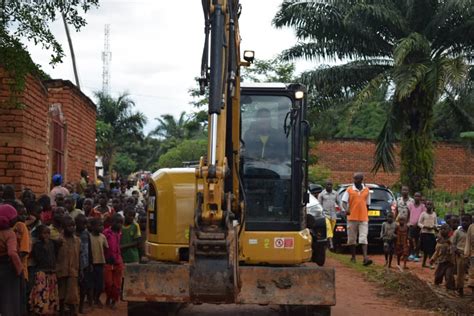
106 58
71 49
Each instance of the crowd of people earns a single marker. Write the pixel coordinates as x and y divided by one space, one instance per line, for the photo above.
64 252
414 229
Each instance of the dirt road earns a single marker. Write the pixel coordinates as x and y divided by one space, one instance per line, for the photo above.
355 297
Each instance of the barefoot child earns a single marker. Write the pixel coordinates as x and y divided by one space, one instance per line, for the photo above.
427 224
444 255
114 264
98 246
459 243
388 236
67 268
402 245
44 299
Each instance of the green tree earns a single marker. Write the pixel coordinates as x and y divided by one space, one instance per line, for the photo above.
269 70
116 125
188 150
124 164
31 20
422 47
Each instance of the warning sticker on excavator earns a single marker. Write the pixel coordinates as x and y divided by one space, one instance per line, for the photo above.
284 242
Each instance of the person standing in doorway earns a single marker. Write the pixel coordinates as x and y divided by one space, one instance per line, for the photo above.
356 202
328 200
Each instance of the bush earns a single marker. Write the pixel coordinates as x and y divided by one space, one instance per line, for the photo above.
318 174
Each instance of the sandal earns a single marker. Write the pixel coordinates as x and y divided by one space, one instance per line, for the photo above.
367 262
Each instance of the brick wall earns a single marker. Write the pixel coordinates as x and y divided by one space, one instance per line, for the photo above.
454 163
25 134
79 118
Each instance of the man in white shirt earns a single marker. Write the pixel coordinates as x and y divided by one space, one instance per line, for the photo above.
328 200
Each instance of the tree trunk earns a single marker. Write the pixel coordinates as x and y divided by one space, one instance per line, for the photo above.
416 152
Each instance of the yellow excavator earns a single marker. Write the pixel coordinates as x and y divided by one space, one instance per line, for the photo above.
233 229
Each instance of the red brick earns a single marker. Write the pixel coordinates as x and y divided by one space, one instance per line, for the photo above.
6 150
6 180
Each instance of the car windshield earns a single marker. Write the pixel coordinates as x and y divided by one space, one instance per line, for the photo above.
380 195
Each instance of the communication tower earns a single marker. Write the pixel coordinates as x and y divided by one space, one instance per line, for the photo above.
106 58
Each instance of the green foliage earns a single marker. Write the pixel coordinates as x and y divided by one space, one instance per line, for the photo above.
17 62
318 174
31 20
188 150
419 48
116 125
124 164
269 70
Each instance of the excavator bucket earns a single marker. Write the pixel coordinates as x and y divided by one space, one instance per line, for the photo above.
297 285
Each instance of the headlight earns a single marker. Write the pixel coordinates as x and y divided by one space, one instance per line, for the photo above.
315 210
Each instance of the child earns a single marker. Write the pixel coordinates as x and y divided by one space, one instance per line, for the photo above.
130 239
454 224
70 206
402 244
427 224
444 254
44 298
388 236
85 263
117 206
10 264
46 210
56 226
114 264
23 236
87 206
469 254
68 268
459 243
103 211
416 209
98 244
59 200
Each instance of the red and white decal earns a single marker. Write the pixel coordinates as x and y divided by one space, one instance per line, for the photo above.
284 243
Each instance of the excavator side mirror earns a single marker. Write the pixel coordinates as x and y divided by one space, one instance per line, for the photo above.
249 56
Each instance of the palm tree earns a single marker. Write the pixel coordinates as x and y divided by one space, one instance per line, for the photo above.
184 127
116 124
421 48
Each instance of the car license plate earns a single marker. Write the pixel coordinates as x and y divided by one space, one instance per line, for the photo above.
374 213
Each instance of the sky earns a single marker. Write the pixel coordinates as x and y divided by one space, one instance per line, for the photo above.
156 49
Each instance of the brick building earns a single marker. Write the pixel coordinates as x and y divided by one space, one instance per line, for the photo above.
53 132
454 163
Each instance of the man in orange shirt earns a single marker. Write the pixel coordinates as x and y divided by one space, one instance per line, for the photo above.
356 201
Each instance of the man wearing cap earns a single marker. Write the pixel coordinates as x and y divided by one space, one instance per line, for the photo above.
355 201
57 181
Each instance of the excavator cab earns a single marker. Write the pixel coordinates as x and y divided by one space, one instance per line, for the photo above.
273 156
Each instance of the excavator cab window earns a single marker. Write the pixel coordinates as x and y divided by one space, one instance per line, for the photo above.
266 156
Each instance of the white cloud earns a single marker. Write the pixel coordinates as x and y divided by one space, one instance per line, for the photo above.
156 49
